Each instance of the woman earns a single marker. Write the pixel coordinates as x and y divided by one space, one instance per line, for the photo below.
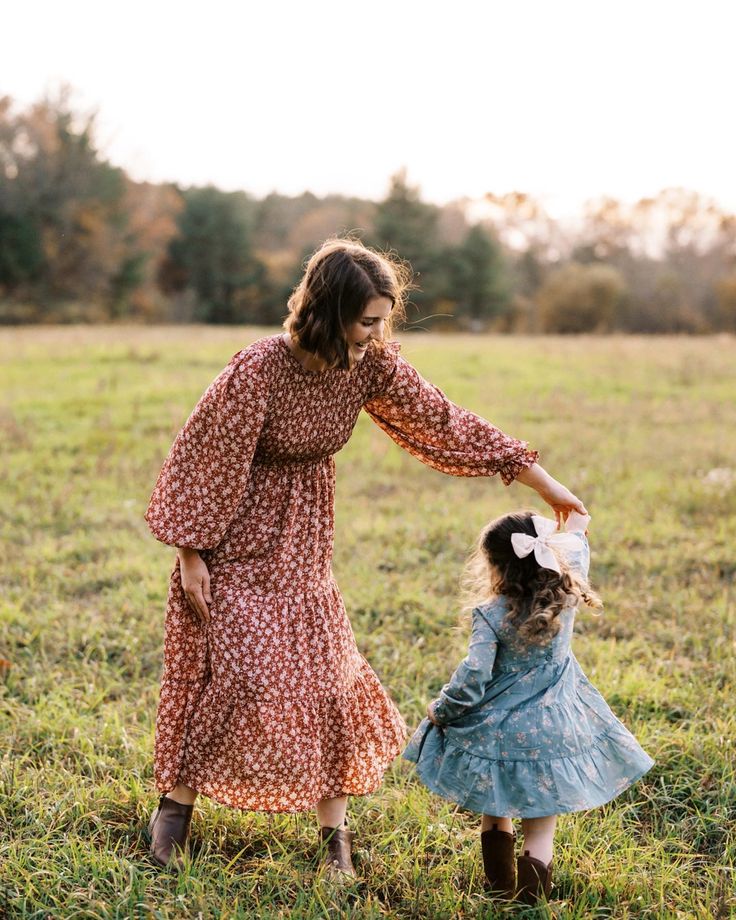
266 703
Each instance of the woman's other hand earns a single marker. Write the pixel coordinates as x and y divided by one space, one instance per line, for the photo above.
558 497
195 580
430 713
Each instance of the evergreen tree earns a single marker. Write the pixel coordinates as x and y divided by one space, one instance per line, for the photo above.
478 277
406 224
21 257
212 255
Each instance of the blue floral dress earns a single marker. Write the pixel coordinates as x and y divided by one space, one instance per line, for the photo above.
522 731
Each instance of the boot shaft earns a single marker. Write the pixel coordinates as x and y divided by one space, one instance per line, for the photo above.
497 848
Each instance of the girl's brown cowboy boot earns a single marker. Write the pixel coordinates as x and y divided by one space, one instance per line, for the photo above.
168 831
336 845
498 862
534 879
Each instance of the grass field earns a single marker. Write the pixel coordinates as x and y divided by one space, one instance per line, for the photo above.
644 430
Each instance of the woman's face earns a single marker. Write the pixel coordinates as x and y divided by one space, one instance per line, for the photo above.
369 326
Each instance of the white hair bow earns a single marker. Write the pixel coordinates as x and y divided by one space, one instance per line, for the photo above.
548 539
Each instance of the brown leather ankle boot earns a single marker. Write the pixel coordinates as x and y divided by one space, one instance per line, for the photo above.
168 831
498 862
534 879
336 845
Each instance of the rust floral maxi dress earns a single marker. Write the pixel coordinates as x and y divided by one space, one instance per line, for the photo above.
271 707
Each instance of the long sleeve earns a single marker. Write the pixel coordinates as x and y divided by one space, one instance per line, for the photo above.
208 467
467 685
421 419
579 559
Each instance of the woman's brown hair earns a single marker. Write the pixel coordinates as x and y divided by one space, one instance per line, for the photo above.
341 277
536 595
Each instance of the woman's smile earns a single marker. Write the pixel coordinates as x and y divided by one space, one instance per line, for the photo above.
372 321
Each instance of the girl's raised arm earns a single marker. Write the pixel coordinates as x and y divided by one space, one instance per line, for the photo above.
579 558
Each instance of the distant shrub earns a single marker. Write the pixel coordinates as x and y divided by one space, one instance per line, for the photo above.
726 303
581 298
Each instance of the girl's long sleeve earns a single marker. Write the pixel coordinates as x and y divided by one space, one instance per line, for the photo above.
421 419
206 472
579 559
467 685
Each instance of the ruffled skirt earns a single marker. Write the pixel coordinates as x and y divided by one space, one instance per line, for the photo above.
271 707
531 754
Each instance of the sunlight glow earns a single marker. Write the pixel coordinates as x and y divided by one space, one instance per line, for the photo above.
564 101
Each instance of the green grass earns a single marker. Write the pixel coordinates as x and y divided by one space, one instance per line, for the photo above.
634 426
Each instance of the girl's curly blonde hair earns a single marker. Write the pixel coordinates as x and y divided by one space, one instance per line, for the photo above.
536 595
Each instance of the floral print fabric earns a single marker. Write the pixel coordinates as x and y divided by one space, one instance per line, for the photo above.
271 706
522 731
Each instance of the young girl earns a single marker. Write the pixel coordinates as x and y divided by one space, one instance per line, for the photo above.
519 731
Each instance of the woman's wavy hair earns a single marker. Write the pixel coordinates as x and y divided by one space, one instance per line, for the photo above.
536 595
339 280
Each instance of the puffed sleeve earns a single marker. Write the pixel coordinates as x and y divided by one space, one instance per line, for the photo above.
207 469
579 558
467 685
422 420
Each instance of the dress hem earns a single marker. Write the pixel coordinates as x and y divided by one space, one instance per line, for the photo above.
279 811
425 773
523 813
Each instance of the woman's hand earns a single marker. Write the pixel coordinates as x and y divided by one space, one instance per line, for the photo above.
558 497
430 713
562 501
195 580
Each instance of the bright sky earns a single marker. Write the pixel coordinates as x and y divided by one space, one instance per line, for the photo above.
565 99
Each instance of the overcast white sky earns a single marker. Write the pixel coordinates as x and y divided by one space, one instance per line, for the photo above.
564 99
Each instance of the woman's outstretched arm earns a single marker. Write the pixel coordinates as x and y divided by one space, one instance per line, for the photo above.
422 420
558 497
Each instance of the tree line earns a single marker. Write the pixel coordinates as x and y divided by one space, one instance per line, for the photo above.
81 241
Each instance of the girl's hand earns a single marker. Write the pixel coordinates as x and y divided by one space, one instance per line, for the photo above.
430 713
558 497
195 580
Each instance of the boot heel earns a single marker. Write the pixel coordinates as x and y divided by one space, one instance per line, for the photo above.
535 879
168 832
336 845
